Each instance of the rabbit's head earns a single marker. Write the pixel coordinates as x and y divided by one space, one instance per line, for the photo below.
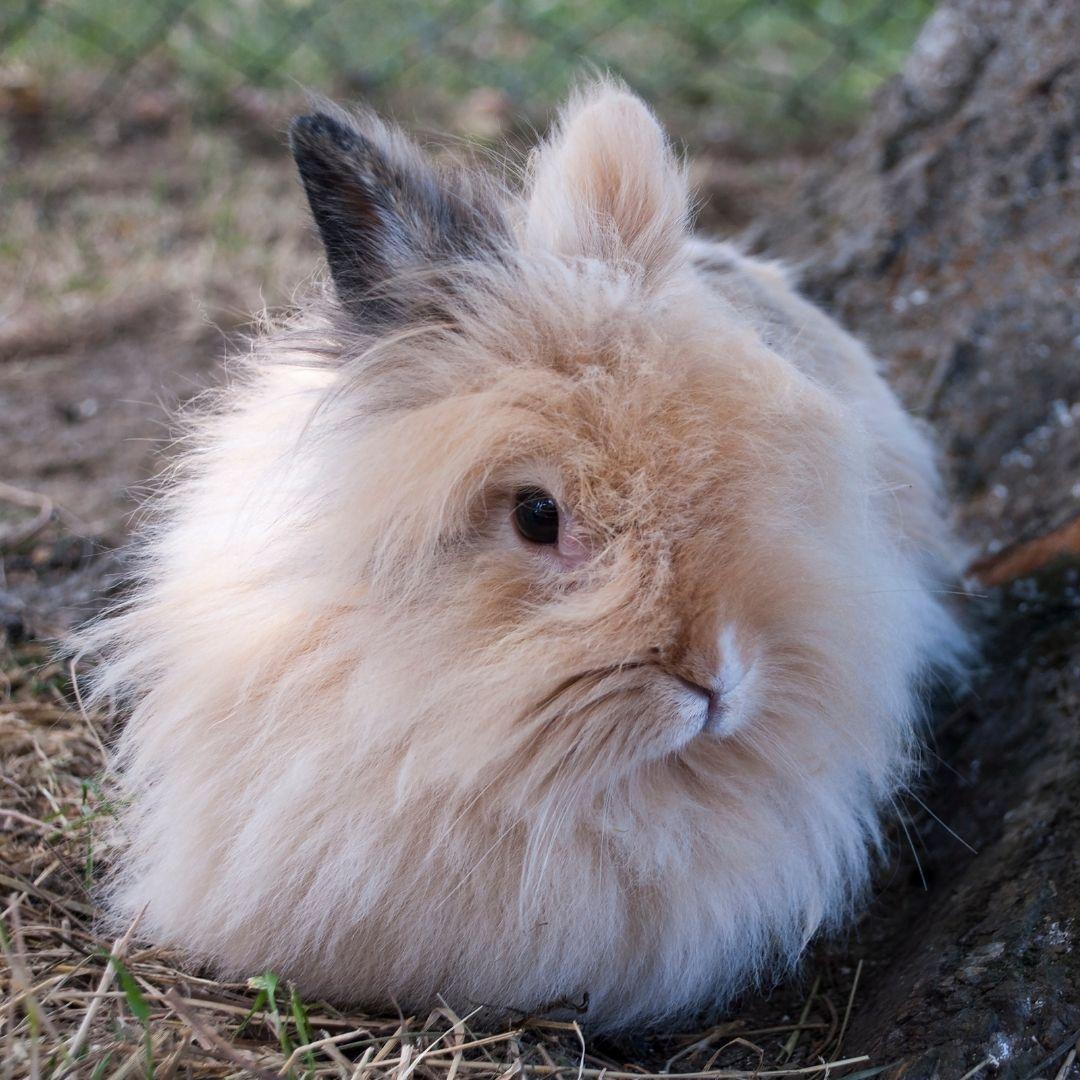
589 520
541 603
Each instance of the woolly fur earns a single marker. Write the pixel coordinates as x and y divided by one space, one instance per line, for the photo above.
383 746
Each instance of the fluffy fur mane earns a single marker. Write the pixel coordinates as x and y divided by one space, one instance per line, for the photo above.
383 746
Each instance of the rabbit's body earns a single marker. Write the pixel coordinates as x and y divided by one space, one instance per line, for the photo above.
389 748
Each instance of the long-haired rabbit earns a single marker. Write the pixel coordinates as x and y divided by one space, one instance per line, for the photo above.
541 613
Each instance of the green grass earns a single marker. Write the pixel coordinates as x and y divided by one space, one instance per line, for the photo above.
785 67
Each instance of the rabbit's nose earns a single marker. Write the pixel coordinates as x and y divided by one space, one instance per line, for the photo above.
714 698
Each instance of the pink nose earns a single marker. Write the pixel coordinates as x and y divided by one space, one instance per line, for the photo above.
717 707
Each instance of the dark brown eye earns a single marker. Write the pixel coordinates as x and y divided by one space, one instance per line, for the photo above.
536 516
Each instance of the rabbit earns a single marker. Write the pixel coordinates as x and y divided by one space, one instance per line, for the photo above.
543 614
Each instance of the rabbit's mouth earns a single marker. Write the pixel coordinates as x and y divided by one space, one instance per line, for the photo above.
628 714
718 706
687 709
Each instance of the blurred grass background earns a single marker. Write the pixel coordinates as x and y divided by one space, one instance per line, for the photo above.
752 69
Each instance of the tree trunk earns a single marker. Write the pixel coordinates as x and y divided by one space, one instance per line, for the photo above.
947 236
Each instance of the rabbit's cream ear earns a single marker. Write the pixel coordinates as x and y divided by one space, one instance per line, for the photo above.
384 212
607 185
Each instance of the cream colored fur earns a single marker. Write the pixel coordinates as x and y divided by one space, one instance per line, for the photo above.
380 745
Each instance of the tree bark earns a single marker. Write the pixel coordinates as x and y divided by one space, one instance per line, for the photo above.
947 236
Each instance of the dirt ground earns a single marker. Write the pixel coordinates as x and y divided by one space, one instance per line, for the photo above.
132 258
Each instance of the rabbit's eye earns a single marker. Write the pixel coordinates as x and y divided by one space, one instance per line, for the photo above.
536 516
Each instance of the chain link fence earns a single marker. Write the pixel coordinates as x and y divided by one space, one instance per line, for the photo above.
714 68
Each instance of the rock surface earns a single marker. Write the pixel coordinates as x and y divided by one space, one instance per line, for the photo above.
947 236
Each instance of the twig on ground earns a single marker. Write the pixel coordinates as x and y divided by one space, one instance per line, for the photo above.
793 1041
30 500
116 953
847 1011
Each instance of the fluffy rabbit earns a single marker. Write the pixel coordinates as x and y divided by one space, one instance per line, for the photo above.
543 613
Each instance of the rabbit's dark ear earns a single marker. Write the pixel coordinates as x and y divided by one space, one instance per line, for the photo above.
383 211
